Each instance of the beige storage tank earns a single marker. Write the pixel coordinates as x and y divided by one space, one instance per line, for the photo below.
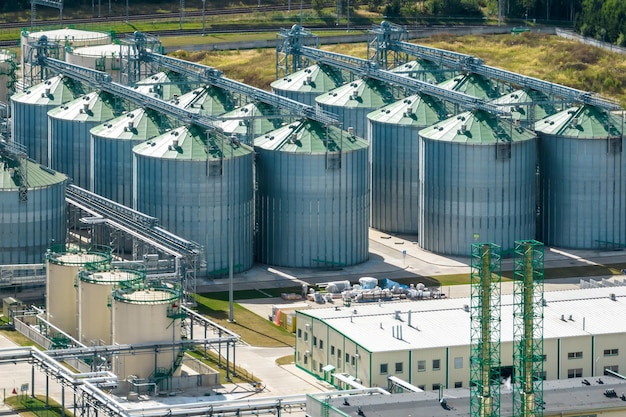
107 58
147 316
95 290
62 268
66 38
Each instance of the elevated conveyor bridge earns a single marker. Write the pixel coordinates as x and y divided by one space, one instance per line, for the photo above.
471 64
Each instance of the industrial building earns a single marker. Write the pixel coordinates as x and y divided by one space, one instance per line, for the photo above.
427 343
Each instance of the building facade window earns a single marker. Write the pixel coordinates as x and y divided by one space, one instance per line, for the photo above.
421 366
353 360
458 384
575 373
306 359
574 355
299 333
332 350
436 387
384 369
399 367
314 340
306 336
458 363
611 352
614 368
321 344
436 364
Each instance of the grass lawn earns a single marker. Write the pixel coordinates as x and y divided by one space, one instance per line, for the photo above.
253 329
35 407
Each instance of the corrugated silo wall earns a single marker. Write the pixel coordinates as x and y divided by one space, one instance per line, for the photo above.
70 146
29 227
395 169
195 205
311 216
354 117
112 168
467 195
300 96
30 128
583 192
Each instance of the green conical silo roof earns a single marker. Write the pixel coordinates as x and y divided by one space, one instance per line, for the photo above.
316 78
208 101
474 85
191 143
138 125
519 101
92 107
367 92
53 92
309 137
478 127
262 118
13 170
584 122
415 110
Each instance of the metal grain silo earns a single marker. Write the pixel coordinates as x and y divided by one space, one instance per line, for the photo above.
95 289
526 106
69 138
32 207
112 152
147 316
207 101
393 138
62 268
582 170
353 101
159 85
250 121
477 183
313 196
29 111
196 185
308 83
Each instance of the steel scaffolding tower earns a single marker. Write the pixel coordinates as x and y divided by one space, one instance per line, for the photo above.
380 45
288 62
485 330
528 329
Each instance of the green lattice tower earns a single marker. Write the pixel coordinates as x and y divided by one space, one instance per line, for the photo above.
485 330
528 329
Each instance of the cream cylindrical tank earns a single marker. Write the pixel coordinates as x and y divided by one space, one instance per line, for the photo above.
95 289
62 268
142 317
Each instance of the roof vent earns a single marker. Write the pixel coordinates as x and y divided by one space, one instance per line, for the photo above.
466 308
613 297
463 128
131 125
397 314
351 130
563 317
409 111
85 107
355 94
575 122
174 145
309 79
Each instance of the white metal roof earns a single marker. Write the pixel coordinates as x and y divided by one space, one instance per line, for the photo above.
444 322
69 34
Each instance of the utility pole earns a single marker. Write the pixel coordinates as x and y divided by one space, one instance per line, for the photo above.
203 17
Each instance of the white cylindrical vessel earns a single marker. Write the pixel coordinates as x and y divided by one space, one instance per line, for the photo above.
95 289
143 317
62 268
